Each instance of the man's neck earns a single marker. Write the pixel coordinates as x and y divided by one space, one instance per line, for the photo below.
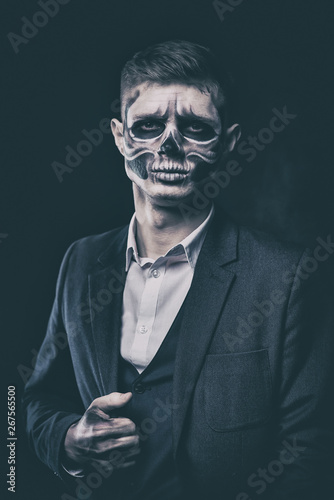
161 227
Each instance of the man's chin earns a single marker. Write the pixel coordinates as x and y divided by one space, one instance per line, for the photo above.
171 195
167 191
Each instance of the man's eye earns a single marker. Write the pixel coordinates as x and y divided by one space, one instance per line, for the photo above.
147 129
195 127
149 126
197 130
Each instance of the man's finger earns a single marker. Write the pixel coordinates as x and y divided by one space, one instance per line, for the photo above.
114 427
111 401
122 443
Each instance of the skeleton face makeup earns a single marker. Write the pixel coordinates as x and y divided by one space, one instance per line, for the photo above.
172 137
176 122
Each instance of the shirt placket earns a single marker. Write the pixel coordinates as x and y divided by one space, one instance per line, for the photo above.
147 312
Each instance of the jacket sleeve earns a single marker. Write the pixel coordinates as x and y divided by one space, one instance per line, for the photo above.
305 410
51 401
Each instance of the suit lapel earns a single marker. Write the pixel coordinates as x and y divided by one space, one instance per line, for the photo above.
207 295
205 300
106 285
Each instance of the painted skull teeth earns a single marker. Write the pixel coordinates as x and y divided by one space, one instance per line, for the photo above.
169 168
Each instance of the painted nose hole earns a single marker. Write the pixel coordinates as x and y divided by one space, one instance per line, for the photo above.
169 147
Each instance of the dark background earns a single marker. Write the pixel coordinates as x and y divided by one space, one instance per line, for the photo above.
66 78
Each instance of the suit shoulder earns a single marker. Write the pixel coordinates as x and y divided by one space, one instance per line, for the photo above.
88 249
266 247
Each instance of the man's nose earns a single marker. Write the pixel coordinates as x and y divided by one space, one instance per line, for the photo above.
170 147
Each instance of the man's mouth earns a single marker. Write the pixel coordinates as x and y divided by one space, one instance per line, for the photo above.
170 175
174 168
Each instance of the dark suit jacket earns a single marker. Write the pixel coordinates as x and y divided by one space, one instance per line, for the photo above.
251 383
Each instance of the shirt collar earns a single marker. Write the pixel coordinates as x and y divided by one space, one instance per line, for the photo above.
189 247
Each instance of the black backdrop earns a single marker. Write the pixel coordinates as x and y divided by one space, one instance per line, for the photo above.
64 79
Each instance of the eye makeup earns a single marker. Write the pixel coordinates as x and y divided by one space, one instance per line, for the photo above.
188 127
195 129
147 129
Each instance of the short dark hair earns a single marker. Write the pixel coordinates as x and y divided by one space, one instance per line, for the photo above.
180 61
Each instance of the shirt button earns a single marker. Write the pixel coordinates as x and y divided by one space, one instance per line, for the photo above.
155 273
143 329
139 388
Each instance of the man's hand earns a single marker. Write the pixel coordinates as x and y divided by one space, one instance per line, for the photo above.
98 437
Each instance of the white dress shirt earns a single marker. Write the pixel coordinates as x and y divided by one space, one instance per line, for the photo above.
154 292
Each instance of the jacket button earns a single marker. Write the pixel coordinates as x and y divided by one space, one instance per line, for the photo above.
139 388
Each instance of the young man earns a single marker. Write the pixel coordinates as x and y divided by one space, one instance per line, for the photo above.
199 366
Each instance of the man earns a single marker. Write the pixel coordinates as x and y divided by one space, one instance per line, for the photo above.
197 353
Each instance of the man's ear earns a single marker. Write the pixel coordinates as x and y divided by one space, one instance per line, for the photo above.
232 135
117 130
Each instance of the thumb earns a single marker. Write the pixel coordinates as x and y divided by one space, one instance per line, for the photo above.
112 401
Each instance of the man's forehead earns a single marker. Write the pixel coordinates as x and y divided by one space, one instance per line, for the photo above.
151 98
